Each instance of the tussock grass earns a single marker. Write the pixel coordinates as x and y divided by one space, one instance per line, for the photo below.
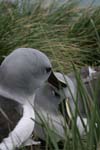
67 34
38 29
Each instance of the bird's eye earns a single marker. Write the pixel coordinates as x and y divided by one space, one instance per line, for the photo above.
48 69
54 93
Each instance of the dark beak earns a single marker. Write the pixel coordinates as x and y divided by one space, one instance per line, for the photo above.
64 108
56 82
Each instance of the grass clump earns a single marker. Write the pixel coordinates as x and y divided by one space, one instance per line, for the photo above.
38 29
70 33
87 31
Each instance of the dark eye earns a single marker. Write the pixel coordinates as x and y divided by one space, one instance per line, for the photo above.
54 93
48 69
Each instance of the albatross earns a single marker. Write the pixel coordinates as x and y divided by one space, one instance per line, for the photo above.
19 97
21 74
54 109
51 99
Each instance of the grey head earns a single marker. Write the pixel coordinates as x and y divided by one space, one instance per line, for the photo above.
48 97
47 112
49 101
22 72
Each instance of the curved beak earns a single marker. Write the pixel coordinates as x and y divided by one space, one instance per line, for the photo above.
55 81
65 110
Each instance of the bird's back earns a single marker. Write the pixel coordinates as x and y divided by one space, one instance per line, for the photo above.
10 114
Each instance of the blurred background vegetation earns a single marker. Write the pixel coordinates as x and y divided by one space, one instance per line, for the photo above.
68 34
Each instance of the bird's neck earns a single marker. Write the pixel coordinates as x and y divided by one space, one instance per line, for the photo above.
22 99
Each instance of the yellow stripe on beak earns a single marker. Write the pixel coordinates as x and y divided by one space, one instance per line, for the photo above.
68 108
